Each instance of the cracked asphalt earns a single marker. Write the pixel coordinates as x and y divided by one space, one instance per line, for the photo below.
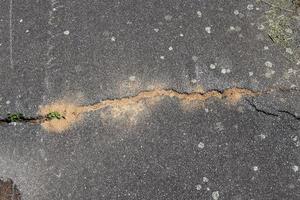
86 52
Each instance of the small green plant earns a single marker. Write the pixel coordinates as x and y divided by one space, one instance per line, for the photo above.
15 117
54 115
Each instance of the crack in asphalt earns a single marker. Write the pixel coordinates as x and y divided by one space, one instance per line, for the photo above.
232 95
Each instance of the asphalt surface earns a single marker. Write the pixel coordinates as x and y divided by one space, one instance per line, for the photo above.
89 51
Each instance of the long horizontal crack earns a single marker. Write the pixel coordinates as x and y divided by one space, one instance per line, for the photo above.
71 112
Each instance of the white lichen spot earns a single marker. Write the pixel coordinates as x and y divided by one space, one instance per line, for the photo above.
288 30
162 57
205 179
194 81
250 73
66 32
199 13
289 51
255 168
223 71
168 17
215 195
262 136
295 168
132 78
269 73
236 12
268 64
195 58
212 66
250 6
113 39
208 29
201 145
261 27
156 30
266 48
170 48
198 187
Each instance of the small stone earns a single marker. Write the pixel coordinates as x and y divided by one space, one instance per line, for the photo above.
21 20
236 12
268 64
66 32
113 39
201 145
289 51
132 78
250 7
250 73
194 81
232 28
255 168
261 27
27 31
195 58
198 187
228 71
181 35
266 48
170 48
156 30
212 66
7 102
223 71
215 195
162 57
205 179
199 13
168 17
208 29
288 30
295 168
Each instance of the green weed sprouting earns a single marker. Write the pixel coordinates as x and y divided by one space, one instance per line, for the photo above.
15 117
54 115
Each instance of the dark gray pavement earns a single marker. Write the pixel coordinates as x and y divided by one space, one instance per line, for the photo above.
89 51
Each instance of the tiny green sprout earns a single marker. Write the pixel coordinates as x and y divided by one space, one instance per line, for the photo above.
54 115
15 117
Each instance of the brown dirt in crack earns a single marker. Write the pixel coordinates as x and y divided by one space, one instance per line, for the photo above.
71 112
8 190
129 108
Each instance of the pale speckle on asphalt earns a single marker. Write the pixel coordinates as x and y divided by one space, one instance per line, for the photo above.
250 6
261 27
113 39
269 73
266 48
251 73
132 78
236 12
168 17
27 31
268 64
215 195
21 20
181 35
194 81
156 30
262 136
205 179
7 102
295 168
201 145
212 66
66 32
198 187
288 30
255 168
195 58
223 71
162 57
199 13
208 29
289 51
170 48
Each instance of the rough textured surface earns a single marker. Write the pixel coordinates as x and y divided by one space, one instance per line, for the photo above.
106 49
